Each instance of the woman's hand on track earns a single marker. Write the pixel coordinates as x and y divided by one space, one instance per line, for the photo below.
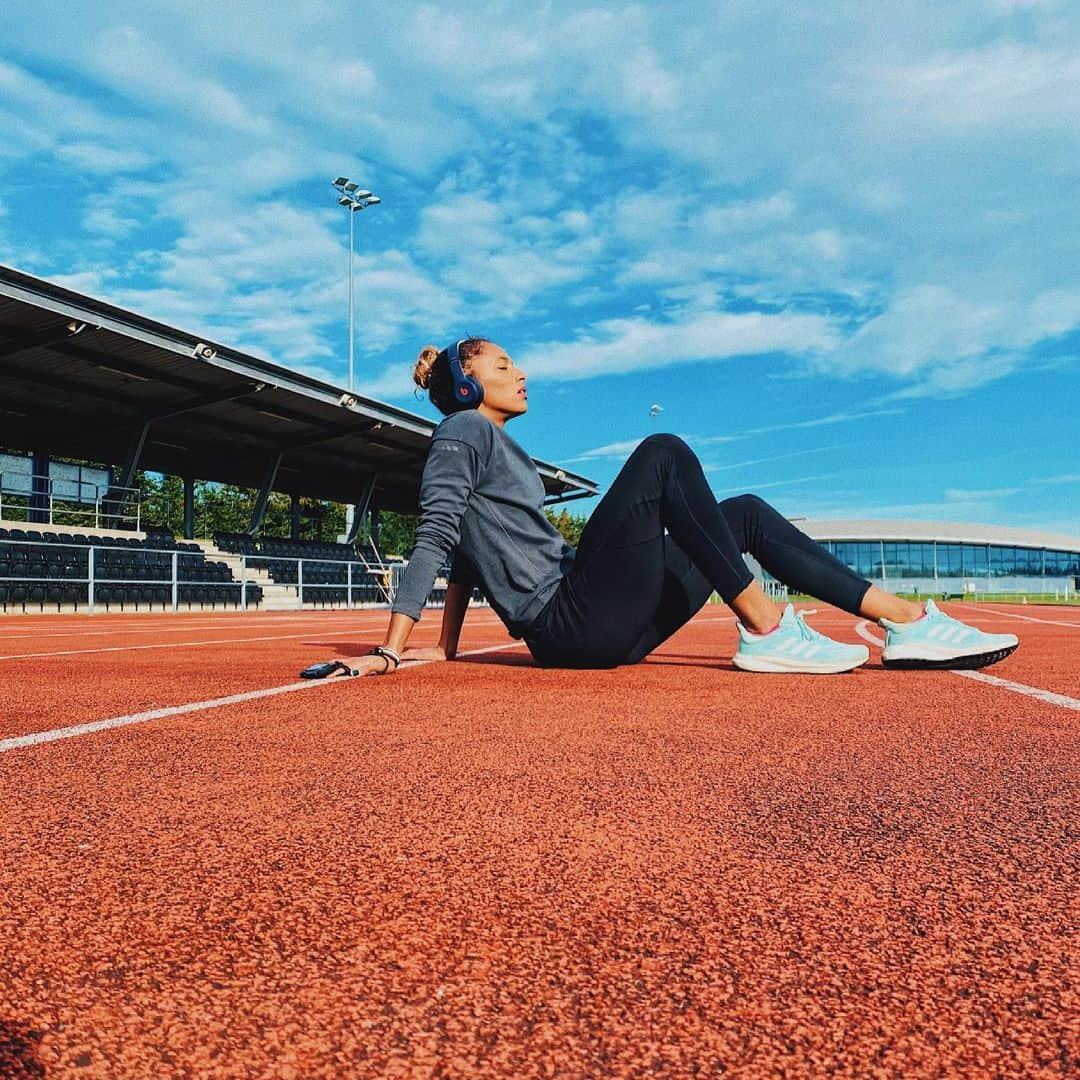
436 652
372 665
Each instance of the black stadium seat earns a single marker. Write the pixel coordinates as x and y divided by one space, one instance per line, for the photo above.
53 567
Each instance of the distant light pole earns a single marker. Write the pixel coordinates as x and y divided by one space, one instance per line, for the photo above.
353 198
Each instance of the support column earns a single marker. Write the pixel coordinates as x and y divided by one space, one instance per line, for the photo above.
259 512
113 502
38 510
189 507
375 528
131 466
361 508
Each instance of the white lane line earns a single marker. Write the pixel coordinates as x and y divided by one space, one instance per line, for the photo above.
178 624
160 629
190 644
38 737
1020 688
1032 618
170 645
863 630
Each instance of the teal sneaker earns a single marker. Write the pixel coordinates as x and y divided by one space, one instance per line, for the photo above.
939 641
792 646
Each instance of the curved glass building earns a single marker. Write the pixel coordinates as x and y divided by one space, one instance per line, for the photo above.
944 557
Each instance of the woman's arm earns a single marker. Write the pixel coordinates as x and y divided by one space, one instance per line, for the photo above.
397 633
401 626
457 601
453 469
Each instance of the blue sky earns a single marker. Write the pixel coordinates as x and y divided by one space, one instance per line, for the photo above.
839 246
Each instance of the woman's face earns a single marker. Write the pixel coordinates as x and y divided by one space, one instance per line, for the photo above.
503 381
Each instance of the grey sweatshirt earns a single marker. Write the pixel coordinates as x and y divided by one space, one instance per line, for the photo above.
482 497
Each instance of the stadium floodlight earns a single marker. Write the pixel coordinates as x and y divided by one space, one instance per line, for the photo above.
353 198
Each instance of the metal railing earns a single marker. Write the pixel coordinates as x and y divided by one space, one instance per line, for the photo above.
776 591
383 576
101 574
76 501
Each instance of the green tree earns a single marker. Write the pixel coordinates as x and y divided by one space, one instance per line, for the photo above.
570 525
397 533
162 501
227 508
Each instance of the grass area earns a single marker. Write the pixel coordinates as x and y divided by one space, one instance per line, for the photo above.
1072 600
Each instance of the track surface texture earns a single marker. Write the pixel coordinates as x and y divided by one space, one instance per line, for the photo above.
486 869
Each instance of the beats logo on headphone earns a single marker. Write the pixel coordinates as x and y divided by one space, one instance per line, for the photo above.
468 392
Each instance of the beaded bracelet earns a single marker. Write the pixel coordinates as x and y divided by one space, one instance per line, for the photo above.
387 654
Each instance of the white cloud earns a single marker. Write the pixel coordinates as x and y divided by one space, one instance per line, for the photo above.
393 383
105 221
136 64
42 107
979 494
750 214
1061 478
1006 82
97 158
945 341
615 450
703 442
843 417
619 346
728 466
494 248
753 486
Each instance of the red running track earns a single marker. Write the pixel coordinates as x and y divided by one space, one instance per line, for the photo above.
486 869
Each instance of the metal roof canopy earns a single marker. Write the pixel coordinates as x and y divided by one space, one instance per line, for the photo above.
85 379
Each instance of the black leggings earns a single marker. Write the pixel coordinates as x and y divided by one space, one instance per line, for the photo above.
632 586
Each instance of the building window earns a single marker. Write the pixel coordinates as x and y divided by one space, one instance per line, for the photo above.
870 560
997 560
950 560
847 553
975 560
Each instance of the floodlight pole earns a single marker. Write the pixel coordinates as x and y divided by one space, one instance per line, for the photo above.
353 198
352 300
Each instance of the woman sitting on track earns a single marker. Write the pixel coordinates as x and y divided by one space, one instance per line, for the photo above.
629 585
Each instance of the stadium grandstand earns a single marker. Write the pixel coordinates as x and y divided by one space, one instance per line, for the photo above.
83 380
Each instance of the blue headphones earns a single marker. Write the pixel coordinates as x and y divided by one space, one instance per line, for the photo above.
468 392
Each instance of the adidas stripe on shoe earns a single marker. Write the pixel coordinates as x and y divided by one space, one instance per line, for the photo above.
794 647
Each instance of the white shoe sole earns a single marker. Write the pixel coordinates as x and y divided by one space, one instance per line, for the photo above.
794 666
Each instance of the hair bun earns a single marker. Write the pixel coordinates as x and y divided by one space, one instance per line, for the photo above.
424 363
